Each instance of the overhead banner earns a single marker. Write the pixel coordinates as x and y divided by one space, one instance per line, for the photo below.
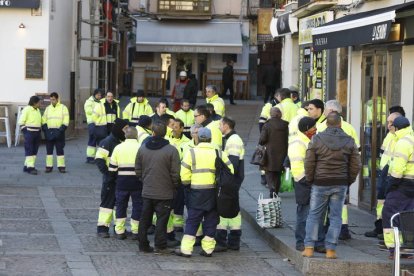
28 4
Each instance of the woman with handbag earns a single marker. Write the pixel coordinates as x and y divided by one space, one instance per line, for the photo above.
274 137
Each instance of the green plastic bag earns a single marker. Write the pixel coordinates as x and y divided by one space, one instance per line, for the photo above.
286 182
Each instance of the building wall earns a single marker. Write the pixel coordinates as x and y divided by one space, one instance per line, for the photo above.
407 81
60 49
13 42
290 61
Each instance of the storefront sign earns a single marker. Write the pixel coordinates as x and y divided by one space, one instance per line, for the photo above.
264 17
308 23
29 4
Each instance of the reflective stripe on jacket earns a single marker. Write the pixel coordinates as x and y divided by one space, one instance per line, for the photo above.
31 119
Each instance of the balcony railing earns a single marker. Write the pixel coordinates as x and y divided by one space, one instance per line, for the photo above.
184 7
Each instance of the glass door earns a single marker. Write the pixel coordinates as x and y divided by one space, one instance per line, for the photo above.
373 127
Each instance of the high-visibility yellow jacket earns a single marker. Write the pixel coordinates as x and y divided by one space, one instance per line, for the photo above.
346 127
297 153
293 125
31 119
402 163
216 136
288 108
234 148
265 114
320 122
381 111
89 107
122 165
56 116
218 103
198 171
178 143
111 117
143 133
99 115
134 110
186 117
170 112
187 146
387 147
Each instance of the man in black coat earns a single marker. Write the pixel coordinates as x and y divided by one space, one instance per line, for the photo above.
228 78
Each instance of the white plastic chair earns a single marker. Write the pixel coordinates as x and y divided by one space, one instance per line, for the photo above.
406 227
4 118
17 131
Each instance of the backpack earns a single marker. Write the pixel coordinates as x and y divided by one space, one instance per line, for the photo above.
227 190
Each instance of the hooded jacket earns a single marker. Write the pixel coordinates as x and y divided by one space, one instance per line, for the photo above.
332 158
158 165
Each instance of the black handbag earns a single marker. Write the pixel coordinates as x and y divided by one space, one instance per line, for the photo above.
259 156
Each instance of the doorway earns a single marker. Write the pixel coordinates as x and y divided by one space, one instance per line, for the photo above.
381 89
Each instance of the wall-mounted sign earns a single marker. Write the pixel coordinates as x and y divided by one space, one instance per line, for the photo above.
264 17
29 4
34 64
308 23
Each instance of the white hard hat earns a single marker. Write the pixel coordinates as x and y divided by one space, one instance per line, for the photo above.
183 74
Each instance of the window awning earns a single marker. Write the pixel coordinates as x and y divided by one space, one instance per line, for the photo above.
29 4
284 24
362 28
203 37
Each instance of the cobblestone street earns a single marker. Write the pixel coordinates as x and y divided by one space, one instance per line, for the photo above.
48 225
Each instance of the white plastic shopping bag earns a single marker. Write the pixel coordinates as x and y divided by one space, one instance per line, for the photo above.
269 211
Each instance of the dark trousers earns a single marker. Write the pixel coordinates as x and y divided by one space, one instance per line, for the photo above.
31 144
196 216
122 198
107 193
231 91
302 212
162 209
270 90
58 143
178 204
273 181
395 202
92 142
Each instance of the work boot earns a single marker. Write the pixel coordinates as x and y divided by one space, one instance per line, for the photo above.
205 254
122 236
134 237
173 243
380 237
62 169
233 240
220 248
331 254
300 247
181 254
308 252
48 169
377 230
103 235
32 171
263 180
344 235
147 249
162 251
90 160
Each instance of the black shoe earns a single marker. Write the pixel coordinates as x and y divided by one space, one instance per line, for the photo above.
103 235
344 236
319 249
122 236
300 247
178 229
220 248
162 251
148 249
371 234
62 170
90 161
263 180
48 169
151 230
205 254
181 254
32 171
134 237
25 169
173 243
380 237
